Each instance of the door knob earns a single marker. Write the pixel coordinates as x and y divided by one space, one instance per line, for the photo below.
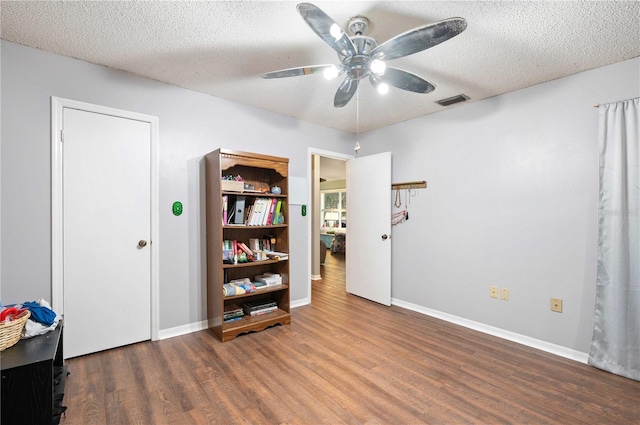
385 237
142 243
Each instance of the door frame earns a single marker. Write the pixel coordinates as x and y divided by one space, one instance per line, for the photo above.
311 226
57 247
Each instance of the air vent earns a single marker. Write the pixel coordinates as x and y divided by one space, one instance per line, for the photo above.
453 99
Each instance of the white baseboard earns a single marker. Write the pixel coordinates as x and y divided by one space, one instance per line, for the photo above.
316 277
300 303
183 330
481 327
500 333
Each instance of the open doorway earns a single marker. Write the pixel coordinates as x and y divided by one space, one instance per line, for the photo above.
329 218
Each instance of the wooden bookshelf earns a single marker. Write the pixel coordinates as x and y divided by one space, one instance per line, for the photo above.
261 171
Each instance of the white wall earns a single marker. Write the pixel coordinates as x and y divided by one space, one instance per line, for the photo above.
511 201
191 124
512 197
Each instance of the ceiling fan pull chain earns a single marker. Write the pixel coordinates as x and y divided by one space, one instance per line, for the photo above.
357 148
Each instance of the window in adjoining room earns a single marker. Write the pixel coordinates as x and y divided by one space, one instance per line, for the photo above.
333 209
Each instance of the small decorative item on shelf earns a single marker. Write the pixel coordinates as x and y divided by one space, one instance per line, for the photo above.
232 184
276 190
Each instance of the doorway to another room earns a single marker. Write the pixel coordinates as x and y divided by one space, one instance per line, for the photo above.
329 228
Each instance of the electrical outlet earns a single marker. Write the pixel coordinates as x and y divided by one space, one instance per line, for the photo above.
556 305
493 291
504 294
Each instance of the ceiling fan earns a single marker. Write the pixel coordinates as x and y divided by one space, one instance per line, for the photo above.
363 57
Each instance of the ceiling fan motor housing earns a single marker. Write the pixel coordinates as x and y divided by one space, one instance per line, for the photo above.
357 66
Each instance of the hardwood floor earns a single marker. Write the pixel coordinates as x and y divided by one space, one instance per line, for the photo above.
344 360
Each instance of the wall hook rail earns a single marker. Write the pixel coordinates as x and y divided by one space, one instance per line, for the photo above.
409 185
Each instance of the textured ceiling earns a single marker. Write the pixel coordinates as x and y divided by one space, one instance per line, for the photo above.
221 48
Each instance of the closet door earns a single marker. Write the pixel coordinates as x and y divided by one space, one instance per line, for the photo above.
106 231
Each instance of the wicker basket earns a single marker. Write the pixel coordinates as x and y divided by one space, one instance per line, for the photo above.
10 332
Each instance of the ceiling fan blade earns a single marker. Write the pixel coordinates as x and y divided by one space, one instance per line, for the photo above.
297 72
419 39
345 92
403 80
324 26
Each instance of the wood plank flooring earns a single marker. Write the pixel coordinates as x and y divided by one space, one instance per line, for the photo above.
344 360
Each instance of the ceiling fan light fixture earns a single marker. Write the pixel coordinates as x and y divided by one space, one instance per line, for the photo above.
383 88
335 31
377 66
331 73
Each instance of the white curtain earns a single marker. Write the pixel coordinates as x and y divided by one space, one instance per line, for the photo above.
616 329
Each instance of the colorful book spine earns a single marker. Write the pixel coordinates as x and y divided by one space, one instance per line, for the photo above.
272 211
277 214
225 202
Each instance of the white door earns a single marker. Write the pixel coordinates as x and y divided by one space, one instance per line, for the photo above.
106 231
368 255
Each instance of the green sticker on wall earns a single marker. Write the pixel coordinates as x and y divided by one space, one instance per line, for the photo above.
177 208
304 210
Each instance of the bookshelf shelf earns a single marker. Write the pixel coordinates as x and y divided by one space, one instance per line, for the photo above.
250 264
244 226
253 193
254 324
255 320
282 287
262 171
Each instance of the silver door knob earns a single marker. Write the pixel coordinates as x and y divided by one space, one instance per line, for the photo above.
385 237
142 243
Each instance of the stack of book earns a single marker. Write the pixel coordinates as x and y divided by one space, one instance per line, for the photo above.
269 279
232 313
265 212
256 308
275 255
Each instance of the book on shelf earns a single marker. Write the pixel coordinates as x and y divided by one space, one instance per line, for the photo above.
254 308
262 311
233 312
275 255
267 207
258 304
270 279
256 212
260 285
277 218
254 244
225 203
227 251
272 210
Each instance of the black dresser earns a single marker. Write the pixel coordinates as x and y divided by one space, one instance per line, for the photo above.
33 377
